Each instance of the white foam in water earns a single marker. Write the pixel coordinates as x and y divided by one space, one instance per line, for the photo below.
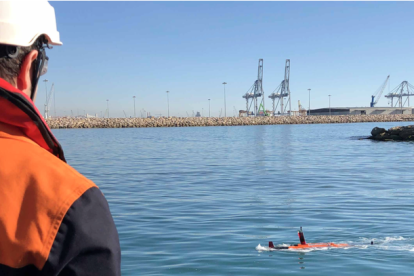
262 248
386 239
390 239
389 243
311 249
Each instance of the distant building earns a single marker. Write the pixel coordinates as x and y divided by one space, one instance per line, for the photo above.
198 114
361 111
243 113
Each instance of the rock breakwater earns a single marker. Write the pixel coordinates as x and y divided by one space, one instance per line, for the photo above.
399 133
70 122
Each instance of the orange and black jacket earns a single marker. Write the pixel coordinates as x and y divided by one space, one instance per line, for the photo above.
53 220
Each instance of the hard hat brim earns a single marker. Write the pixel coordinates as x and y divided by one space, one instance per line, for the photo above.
23 26
12 35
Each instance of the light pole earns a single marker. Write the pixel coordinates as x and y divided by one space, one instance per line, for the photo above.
329 105
209 108
225 114
309 100
54 103
45 81
134 106
107 106
168 103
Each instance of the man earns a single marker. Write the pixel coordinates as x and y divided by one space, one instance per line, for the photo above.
53 220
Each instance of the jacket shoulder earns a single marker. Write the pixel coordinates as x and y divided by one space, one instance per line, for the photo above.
38 190
87 241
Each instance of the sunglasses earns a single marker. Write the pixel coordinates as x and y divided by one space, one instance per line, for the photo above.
40 68
44 66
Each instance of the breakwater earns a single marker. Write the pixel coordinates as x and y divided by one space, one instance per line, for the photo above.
399 133
70 122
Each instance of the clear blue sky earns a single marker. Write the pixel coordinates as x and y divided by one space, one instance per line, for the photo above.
115 50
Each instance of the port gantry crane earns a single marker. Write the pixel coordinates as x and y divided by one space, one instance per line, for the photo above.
256 91
404 89
48 97
282 91
377 95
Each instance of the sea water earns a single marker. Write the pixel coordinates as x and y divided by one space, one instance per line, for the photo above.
206 200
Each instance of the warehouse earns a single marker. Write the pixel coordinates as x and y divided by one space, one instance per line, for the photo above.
361 111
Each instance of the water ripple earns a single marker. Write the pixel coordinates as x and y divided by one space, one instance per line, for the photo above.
198 201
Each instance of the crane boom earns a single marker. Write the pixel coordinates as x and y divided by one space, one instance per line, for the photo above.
377 95
50 93
48 97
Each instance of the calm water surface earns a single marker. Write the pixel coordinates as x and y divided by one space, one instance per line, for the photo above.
199 201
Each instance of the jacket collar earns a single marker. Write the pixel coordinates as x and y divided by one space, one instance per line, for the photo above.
18 110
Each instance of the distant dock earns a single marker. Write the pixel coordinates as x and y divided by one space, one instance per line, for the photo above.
70 122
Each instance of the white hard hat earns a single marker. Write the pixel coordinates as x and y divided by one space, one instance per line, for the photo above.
21 23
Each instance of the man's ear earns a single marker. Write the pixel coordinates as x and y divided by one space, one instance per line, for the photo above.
24 79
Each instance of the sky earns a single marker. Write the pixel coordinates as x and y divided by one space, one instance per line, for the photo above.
116 50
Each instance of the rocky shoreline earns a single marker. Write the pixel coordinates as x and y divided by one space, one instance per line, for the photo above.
70 122
399 133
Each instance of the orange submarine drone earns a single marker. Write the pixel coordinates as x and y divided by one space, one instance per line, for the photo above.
304 245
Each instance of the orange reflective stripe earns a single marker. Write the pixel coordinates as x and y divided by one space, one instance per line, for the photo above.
36 191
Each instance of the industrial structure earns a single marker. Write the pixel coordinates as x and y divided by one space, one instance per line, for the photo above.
255 92
282 92
361 111
404 89
378 93
302 111
48 97
402 93
401 106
